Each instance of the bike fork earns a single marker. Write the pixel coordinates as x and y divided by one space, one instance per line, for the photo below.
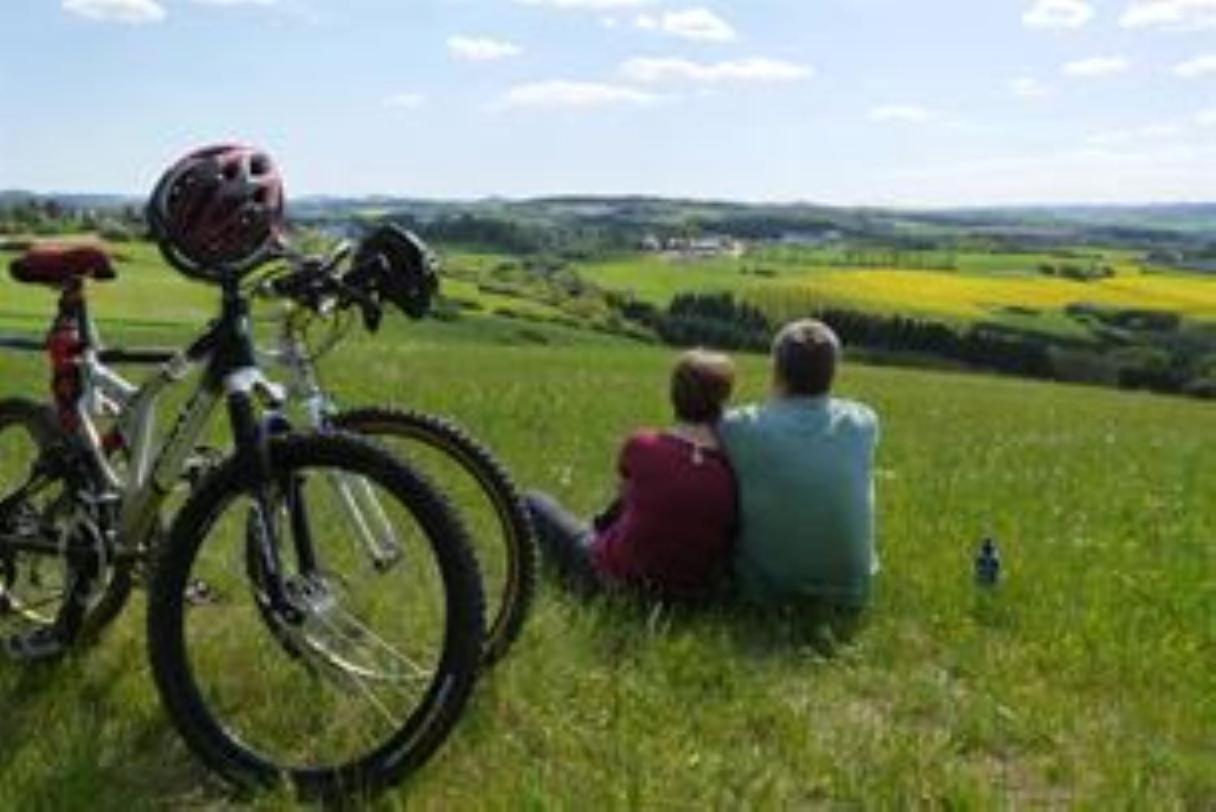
253 451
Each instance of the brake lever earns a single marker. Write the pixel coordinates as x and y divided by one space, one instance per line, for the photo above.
336 257
369 308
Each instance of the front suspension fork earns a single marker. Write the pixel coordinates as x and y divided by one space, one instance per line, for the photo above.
253 457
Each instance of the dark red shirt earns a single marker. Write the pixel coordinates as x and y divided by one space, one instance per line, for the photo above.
675 532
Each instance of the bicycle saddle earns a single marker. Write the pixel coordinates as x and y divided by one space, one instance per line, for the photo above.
56 264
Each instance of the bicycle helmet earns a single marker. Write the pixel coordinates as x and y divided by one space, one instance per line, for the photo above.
394 264
218 211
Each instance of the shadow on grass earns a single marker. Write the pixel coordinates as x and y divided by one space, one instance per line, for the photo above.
622 620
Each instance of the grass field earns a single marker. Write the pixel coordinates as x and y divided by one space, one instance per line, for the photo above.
1084 680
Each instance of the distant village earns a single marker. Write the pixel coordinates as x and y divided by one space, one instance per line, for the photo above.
723 245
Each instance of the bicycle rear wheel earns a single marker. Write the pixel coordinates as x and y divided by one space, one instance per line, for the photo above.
367 681
48 536
489 504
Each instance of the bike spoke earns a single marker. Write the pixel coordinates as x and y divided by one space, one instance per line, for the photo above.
362 632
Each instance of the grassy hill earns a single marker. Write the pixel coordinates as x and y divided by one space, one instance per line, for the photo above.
1084 680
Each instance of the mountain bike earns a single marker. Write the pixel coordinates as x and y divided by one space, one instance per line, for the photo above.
334 291
314 608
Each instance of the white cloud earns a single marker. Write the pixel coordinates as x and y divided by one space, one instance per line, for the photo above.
1149 132
1058 14
910 113
693 23
1025 87
1194 68
589 4
235 2
755 69
121 11
481 49
405 101
564 93
1171 15
1206 118
1095 67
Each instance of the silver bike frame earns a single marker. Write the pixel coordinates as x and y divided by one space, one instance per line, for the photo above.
151 473
373 527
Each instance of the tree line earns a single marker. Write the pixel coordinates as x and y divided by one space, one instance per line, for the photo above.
1182 362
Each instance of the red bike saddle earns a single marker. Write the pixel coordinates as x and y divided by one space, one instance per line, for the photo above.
56 264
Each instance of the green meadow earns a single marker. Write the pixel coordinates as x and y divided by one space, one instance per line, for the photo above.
1085 679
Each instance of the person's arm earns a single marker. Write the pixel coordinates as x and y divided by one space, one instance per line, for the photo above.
612 511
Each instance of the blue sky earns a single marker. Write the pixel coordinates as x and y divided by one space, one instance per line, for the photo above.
936 102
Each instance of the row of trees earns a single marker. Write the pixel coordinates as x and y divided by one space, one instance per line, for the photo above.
1185 363
1076 272
46 216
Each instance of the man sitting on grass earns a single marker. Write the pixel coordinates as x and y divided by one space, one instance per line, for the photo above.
804 466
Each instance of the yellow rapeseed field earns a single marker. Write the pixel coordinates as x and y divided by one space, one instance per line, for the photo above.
972 296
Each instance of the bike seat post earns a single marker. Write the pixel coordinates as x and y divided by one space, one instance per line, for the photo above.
66 343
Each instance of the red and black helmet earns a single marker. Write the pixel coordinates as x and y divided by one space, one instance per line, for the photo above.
218 211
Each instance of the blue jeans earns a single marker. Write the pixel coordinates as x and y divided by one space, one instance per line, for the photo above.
564 540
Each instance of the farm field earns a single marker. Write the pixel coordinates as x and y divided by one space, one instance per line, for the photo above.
1084 680
1001 288
984 287
973 297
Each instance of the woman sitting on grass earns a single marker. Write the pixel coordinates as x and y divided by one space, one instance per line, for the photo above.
671 531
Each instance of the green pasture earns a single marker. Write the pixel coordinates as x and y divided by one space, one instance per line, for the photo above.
1084 680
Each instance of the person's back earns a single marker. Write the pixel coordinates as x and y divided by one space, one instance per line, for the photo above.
804 467
677 522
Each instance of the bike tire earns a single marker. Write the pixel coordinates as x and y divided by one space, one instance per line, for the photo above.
511 606
427 726
38 421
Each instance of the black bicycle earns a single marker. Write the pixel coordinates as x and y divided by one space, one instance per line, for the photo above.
314 609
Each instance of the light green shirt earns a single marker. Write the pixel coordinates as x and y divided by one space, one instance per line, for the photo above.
806 499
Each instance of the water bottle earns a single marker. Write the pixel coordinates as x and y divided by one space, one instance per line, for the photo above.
988 564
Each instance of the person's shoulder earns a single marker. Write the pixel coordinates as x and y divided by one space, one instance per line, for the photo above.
743 415
643 438
855 412
740 421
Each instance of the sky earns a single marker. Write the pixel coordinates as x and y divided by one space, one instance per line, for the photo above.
875 102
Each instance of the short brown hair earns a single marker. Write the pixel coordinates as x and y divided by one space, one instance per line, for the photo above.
701 383
805 353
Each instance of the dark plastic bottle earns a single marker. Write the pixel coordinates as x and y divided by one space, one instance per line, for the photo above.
988 564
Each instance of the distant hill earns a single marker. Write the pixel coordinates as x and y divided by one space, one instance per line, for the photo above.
1186 226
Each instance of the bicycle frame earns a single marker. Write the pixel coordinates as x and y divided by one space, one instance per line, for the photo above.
373 527
225 353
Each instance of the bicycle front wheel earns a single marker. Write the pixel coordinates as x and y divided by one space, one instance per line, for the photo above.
489 504
356 673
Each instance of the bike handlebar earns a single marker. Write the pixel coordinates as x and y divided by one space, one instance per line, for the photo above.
314 282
